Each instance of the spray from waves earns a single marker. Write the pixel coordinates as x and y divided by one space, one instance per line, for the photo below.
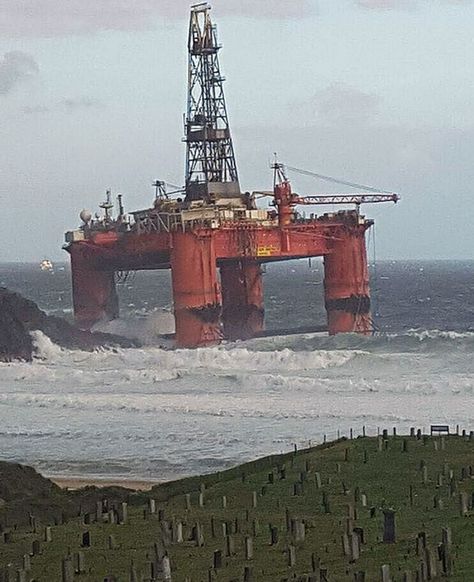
411 341
233 357
148 329
44 347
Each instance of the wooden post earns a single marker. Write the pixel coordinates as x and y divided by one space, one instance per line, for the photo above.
255 527
7 537
346 548
424 474
420 543
317 477
430 563
300 531
36 548
178 532
98 511
80 566
166 569
123 512
248 548
86 539
445 551
133 576
273 536
67 569
389 535
291 556
326 504
351 512
217 559
198 535
355 546
229 546
385 573
463 504
152 505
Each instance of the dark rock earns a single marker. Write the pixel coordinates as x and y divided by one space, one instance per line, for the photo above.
19 317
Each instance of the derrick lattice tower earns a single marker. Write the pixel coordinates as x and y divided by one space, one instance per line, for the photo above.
211 170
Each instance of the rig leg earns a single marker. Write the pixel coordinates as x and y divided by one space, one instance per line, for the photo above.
347 285
242 294
94 294
196 292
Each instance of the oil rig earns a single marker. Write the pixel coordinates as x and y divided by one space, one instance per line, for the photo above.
214 237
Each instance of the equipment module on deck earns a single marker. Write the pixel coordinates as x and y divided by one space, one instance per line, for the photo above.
216 226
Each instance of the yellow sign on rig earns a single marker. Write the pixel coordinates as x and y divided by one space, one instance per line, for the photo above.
266 251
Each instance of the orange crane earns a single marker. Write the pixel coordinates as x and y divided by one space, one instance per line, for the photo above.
285 200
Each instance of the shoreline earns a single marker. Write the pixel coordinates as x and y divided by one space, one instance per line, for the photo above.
73 483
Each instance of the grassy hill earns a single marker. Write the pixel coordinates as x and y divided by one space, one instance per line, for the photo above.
314 515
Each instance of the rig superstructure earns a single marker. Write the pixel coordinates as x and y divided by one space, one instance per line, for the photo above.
215 238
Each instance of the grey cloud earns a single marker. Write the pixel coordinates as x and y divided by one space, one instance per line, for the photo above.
391 4
385 4
35 109
64 105
340 103
16 67
70 105
60 18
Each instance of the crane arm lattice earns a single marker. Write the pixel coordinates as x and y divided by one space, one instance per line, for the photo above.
357 199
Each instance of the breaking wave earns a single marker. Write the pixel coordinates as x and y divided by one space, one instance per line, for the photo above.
167 412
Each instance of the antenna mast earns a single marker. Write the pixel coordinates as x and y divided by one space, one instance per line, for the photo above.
211 170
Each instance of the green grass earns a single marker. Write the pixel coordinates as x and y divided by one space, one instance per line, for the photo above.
383 476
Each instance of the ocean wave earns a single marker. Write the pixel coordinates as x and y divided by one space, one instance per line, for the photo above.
410 341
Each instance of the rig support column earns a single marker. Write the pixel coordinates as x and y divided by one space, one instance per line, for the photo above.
94 294
243 303
196 293
346 284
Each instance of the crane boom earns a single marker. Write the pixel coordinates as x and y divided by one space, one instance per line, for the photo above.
322 199
357 199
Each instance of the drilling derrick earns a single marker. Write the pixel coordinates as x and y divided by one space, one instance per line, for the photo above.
211 170
216 239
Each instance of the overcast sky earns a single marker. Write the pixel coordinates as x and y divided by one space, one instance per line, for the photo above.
92 94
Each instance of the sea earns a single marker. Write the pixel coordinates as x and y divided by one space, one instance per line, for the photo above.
158 413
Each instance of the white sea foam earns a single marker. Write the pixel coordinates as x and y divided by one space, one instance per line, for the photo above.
161 411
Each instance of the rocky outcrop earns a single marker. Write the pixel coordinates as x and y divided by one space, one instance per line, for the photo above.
19 317
25 493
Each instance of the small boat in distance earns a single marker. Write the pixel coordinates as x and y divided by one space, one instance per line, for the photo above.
47 265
